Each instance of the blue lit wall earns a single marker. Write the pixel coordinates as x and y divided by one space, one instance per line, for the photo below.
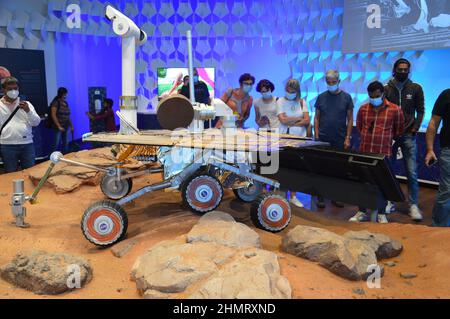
274 39
82 63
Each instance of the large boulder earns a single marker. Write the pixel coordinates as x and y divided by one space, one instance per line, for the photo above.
344 257
221 228
202 264
46 273
383 245
253 274
173 266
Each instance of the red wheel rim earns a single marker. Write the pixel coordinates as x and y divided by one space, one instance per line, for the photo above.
112 234
268 213
204 193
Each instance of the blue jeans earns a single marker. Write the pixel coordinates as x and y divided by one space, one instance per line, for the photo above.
408 146
12 154
60 138
441 210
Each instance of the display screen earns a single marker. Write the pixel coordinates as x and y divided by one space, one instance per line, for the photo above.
28 66
170 80
395 25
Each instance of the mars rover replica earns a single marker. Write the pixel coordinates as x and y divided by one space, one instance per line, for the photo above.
198 162
201 163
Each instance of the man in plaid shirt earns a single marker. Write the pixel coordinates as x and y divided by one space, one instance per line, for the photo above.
378 123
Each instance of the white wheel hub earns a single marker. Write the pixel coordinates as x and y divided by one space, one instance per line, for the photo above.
204 193
103 225
274 212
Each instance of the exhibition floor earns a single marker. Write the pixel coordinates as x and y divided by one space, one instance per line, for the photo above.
55 227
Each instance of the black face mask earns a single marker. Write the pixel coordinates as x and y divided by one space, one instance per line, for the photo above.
401 77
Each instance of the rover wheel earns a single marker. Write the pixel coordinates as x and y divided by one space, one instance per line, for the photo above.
114 188
104 223
202 193
249 194
271 212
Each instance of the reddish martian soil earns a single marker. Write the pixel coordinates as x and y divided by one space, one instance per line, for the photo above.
55 227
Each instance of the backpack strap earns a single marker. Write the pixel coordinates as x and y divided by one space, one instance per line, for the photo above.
9 119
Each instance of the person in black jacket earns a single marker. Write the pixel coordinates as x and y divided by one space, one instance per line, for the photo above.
201 92
409 96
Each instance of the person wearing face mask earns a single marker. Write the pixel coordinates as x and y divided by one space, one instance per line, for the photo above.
333 120
266 106
240 100
292 110
16 139
294 117
378 123
60 113
409 96
201 91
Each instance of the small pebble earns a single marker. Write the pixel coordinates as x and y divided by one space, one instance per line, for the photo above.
422 265
119 290
250 255
408 275
390 264
359 291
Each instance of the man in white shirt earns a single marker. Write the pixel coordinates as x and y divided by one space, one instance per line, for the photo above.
16 140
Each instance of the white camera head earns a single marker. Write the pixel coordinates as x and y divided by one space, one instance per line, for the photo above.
124 26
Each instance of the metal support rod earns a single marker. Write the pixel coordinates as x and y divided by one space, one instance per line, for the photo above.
150 171
191 66
41 183
84 165
144 190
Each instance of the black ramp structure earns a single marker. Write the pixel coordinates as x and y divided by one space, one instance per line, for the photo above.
349 177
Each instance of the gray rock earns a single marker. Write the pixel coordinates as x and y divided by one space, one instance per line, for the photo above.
120 249
344 257
243 278
390 264
359 291
408 275
221 228
203 264
383 245
174 266
46 273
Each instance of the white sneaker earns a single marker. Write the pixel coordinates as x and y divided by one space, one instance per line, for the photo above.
294 200
382 219
415 213
360 217
390 208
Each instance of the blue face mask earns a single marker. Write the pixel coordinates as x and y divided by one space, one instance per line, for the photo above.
195 78
291 96
377 102
333 88
266 95
247 88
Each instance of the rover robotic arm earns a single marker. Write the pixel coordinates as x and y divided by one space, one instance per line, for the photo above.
131 37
